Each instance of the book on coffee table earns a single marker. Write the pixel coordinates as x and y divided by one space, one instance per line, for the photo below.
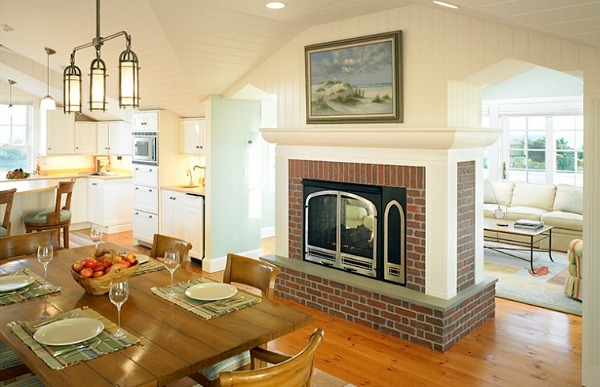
526 223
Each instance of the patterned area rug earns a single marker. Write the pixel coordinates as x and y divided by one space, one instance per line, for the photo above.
544 288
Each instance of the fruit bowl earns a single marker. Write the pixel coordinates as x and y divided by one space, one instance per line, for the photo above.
18 173
114 267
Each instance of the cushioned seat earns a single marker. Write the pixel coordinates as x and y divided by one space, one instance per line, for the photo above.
59 218
573 281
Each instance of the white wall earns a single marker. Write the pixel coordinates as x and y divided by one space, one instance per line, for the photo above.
442 49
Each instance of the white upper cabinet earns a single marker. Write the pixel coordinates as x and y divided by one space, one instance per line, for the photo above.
85 137
191 136
60 133
144 122
114 138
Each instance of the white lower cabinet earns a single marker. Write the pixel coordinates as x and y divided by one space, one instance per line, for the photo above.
110 204
145 225
182 216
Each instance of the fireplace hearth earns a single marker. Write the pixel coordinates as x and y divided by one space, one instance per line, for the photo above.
357 228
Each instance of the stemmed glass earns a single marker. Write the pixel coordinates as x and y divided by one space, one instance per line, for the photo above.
171 261
96 236
118 294
44 255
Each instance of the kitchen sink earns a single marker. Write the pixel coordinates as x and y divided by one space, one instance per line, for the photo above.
188 186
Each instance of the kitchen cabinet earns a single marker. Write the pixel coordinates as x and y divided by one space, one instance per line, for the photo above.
144 122
146 175
79 201
146 198
191 136
110 204
114 138
85 137
60 133
182 216
145 225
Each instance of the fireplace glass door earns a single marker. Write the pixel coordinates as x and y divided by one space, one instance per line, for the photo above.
341 231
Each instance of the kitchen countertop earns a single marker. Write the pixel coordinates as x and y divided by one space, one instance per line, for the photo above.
198 190
40 183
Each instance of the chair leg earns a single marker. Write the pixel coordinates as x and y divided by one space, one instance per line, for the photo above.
66 237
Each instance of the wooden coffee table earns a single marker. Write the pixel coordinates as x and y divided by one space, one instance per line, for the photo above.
534 236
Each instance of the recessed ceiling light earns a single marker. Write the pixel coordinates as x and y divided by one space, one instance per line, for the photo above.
445 4
275 5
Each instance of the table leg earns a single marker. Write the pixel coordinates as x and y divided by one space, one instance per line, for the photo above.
550 245
531 254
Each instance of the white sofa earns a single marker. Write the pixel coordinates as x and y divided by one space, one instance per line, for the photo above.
559 205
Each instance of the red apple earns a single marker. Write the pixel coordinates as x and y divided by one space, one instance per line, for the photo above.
107 262
130 257
77 266
125 264
99 267
97 274
87 272
90 263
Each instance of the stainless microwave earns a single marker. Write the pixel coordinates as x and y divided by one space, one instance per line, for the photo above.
145 148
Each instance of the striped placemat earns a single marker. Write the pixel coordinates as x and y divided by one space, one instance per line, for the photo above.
150 266
31 291
205 309
107 344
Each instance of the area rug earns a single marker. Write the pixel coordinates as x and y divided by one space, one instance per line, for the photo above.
543 288
320 379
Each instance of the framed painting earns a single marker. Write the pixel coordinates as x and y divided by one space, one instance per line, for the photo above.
355 80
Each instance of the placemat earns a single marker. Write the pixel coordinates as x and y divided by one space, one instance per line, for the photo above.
26 330
150 266
31 291
205 309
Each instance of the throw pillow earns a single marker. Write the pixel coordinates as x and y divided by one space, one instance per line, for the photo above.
575 202
488 193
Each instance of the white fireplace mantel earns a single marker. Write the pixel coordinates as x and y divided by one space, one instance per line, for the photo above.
399 138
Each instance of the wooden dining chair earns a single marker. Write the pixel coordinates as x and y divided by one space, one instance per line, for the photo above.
285 370
162 243
58 218
24 244
250 272
6 197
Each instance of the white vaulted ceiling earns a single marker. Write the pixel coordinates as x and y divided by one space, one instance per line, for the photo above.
190 49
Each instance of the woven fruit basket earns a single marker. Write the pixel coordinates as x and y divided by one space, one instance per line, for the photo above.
100 283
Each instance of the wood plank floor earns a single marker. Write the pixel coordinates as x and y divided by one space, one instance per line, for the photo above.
522 346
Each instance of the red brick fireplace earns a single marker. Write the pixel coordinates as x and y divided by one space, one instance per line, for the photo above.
445 296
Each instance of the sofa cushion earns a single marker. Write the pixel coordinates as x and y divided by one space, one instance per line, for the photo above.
562 219
534 195
495 192
569 198
530 213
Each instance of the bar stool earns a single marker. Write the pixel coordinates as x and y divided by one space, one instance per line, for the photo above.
58 218
6 197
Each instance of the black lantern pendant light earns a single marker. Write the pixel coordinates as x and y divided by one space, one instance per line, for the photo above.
128 75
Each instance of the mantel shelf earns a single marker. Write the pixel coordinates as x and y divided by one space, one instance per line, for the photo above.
399 138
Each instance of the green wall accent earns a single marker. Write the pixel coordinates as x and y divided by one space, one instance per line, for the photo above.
233 121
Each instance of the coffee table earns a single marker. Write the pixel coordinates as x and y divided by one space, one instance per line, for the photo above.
534 236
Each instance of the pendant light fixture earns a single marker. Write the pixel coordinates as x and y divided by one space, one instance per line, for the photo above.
11 83
48 102
128 75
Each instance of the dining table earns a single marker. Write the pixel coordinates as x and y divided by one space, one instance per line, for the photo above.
172 342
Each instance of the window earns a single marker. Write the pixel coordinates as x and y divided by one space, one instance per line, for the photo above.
541 140
15 144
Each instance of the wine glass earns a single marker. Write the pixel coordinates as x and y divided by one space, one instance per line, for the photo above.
118 294
171 261
96 235
44 255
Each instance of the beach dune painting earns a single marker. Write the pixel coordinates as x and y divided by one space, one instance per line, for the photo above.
355 80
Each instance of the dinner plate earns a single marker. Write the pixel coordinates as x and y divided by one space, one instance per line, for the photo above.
69 331
13 282
141 258
211 291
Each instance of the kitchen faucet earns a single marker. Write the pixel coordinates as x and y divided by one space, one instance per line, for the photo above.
201 179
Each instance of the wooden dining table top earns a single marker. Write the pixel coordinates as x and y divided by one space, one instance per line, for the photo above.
173 342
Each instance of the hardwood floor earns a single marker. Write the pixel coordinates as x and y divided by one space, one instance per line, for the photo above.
522 346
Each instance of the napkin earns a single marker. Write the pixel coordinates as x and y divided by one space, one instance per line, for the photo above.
31 291
150 266
26 330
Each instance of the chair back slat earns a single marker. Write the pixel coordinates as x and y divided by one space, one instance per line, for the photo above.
25 244
7 197
161 243
252 272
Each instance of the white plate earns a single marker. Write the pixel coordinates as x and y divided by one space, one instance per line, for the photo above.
141 258
69 331
13 282
211 291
